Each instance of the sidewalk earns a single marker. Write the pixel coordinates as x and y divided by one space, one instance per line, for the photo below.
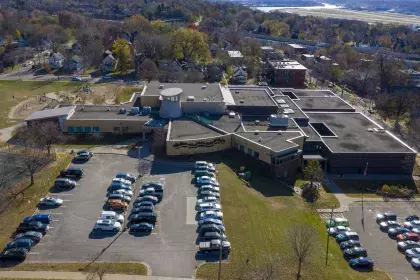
77 276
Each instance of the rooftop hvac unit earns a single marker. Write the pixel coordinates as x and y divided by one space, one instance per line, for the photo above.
279 120
260 139
257 122
231 115
190 98
279 132
241 101
205 99
203 87
122 111
379 130
256 132
160 86
370 129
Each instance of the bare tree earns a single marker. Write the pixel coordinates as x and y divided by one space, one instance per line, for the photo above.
396 105
268 270
301 238
48 133
30 160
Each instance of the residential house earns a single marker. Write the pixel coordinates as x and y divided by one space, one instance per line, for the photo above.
76 48
56 60
74 64
239 76
109 62
412 76
235 57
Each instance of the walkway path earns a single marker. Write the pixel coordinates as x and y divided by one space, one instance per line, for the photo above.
6 133
76 276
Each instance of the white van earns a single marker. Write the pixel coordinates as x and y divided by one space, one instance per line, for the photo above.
111 215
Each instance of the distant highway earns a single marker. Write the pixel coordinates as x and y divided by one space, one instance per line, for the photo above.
371 17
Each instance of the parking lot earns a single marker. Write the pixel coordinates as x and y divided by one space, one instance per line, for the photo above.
170 249
381 248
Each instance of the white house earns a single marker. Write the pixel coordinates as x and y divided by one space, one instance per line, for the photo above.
56 60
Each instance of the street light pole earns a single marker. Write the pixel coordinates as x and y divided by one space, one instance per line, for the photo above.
220 259
328 236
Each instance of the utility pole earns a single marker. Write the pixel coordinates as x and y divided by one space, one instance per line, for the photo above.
220 259
328 236
363 191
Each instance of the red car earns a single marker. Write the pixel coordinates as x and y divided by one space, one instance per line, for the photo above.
408 236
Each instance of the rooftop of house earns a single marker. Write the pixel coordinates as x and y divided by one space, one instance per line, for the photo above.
287 64
296 46
353 134
235 54
104 112
211 92
184 129
251 96
273 140
327 104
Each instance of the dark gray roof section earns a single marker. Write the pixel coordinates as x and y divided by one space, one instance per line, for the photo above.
298 113
312 93
183 129
251 96
212 92
273 140
353 135
225 123
103 112
50 113
250 124
311 133
324 104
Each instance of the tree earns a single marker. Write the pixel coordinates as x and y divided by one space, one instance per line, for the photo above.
277 28
122 49
160 27
138 23
301 239
148 70
270 269
30 161
313 172
48 133
386 68
190 44
396 105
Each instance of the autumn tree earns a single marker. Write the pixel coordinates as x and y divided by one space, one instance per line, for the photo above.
148 70
160 27
277 28
138 23
121 48
190 44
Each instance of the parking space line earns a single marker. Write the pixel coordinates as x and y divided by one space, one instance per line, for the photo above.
33 253
51 227
61 194
47 235
55 220
55 213
64 206
66 200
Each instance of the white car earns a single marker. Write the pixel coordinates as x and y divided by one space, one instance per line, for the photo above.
413 253
206 180
412 224
209 188
147 191
211 214
389 224
208 206
209 193
124 192
112 215
51 201
107 225
415 263
207 199
334 231
121 180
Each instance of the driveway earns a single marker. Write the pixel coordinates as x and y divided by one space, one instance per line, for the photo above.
170 249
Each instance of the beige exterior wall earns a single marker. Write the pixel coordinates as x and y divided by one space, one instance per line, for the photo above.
198 146
108 126
150 100
299 141
263 151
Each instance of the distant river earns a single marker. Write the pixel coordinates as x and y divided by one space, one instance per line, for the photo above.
324 6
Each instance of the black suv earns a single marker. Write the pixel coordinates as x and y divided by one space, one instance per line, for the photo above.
150 217
72 172
14 254
32 226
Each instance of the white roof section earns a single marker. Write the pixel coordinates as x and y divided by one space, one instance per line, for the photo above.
51 113
227 95
235 54
169 92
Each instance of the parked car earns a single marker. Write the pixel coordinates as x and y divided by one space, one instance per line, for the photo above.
118 186
203 172
208 188
32 226
210 228
126 176
82 152
334 231
210 221
121 180
85 156
112 215
412 224
206 180
64 183
349 244
354 252
208 207
155 185
408 236
32 235
337 222
18 254
142 209
413 253
387 216
143 226
262 84
117 204
211 214
412 218
348 235
107 225
147 198
207 199
152 192
361 262
72 172
43 218
144 203
208 193
385 225
201 164
409 244
124 192
393 232
150 217
20 243
211 235
50 201
415 263
76 79
124 198
106 78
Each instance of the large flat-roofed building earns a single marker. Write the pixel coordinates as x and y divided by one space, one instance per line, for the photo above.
295 49
278 128
287 73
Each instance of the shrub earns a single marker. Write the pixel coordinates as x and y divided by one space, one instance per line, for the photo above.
395 191
309 193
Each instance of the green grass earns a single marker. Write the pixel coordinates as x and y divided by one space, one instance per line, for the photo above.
256 216
25 205
22 90
354 188
325 200
127 92
130 268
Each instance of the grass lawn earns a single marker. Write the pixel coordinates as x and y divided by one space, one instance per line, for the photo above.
26 205
256 216
127 92
22 90
130 268
325 199
353 188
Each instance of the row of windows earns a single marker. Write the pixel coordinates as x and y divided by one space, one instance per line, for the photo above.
83 129
277 161
249 150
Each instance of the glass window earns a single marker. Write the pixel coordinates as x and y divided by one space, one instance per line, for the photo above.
88 129
256 154
250 152
79 129
273 161
96 129
70 129
241 148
